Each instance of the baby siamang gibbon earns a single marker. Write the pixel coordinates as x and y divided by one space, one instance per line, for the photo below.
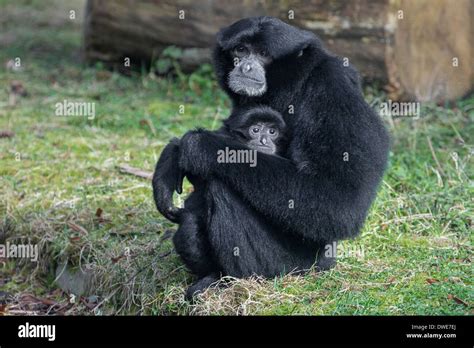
259 128
280 215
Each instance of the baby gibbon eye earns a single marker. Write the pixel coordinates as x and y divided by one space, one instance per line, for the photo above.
272 131
255 129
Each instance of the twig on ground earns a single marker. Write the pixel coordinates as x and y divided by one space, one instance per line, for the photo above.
125 168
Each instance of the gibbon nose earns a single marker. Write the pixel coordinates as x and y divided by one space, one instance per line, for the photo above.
263 141
246 67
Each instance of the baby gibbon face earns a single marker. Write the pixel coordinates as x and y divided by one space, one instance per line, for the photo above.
263 137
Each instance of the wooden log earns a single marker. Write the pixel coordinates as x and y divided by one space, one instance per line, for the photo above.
420 49
430 52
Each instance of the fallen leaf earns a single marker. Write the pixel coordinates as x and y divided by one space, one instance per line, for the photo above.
6 134
432 280
77 228
29 298
458 300
101 219
3 309
98 212
117 259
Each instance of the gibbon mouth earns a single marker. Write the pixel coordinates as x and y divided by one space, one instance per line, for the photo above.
259 82
265 149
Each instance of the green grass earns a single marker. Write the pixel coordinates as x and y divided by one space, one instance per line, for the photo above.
56 172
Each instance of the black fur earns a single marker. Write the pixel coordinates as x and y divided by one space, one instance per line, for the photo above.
250 208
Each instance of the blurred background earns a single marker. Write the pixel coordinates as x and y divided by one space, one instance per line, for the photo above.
419 49
75 184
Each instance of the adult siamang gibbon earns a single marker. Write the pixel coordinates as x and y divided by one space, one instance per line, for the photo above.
278 216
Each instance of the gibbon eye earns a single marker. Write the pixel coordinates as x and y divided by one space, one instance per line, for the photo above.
240 51
272 131
255 130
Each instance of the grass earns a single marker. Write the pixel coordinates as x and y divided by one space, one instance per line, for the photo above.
60 189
